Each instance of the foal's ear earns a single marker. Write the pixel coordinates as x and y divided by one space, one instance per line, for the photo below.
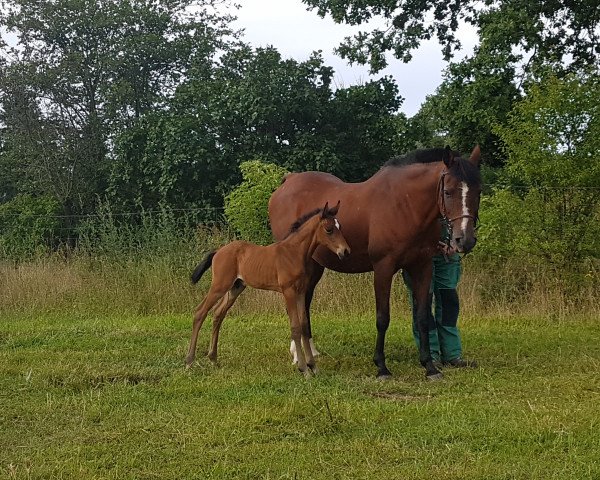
333 212
448 156
475 157
325 209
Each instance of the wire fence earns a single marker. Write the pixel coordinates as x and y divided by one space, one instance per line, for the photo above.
220 209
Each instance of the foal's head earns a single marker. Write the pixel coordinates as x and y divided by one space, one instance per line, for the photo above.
459 192
329 234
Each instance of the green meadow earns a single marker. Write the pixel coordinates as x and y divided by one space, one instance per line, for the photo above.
106 396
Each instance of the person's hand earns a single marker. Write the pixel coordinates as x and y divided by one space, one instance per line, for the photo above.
446 249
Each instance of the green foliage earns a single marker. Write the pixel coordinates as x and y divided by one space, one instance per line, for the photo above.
552 140
476 94
552 31
246 207
82 72
254 104
27 226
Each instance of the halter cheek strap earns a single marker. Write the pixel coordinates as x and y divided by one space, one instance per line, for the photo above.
446 221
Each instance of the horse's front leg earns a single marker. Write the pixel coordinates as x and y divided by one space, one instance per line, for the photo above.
292 300
421 280
384 272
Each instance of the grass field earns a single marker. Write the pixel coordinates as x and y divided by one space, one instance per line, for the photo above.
89 396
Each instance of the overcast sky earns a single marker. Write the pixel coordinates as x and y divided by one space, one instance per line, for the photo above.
296 32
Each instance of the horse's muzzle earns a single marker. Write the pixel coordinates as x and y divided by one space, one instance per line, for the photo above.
343 253
465 244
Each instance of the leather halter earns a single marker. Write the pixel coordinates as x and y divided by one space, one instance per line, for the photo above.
446 221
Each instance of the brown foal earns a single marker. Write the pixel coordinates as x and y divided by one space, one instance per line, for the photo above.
282 267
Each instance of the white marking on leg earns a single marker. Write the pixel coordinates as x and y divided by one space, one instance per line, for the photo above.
465 219
294 353
314 350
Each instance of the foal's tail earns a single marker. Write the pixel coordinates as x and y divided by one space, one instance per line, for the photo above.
202 267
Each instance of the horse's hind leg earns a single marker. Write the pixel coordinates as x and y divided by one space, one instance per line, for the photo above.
200 314
421 280
219 314
384 271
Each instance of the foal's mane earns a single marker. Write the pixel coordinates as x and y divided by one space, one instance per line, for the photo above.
463 170
302 220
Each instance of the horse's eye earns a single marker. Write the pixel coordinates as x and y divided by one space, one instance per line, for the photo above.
447 193
329 231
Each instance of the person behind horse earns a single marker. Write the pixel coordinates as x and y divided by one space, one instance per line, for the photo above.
444 336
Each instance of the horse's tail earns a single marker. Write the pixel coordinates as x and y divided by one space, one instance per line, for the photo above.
203 266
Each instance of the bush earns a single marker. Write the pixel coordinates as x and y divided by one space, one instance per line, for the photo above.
27 226
246 207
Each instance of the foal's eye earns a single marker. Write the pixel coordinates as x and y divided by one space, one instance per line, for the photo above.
329 231
447 193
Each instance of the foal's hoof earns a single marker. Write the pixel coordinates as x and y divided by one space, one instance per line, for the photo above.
212 358
313 369
306 373
189 361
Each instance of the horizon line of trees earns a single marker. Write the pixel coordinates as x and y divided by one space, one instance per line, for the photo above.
145 105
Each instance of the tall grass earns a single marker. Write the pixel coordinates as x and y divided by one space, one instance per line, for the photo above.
144 269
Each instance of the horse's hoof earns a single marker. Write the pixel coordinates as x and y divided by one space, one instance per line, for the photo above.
313 369
188 365
384 375
306 373
435 377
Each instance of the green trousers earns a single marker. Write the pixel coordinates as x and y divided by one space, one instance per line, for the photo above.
444 337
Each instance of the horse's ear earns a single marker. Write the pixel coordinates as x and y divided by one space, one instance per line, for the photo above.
325 209
448 156
475 157
333 212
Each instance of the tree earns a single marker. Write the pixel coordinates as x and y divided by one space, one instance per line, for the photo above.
84 70
550 32
476 95
552 140
253 104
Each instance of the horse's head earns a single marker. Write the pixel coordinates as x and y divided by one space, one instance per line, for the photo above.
459 192
329 234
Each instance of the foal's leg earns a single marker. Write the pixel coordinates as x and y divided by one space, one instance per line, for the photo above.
291 302
316 272
219 314
200 314
305 335
421 280
384 272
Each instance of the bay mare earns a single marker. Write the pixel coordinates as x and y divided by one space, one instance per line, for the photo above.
283 267
391 221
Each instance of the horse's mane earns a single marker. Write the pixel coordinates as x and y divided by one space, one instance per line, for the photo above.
462 169
429 155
